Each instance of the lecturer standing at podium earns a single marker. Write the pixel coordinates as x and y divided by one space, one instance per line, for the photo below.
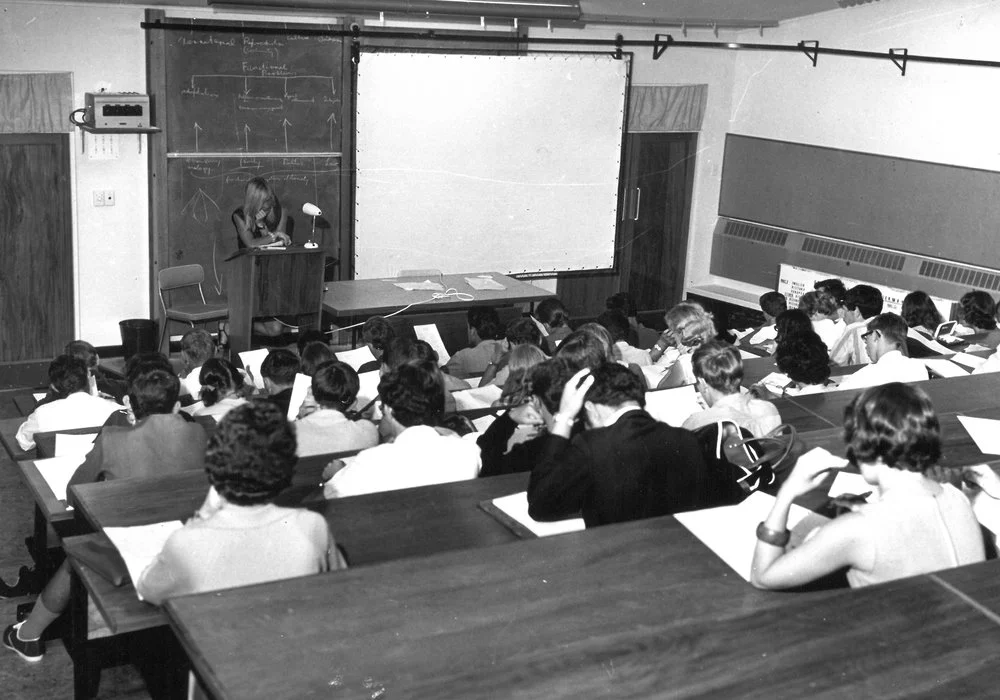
261 220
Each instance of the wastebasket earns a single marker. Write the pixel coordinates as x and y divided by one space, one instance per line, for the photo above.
138 335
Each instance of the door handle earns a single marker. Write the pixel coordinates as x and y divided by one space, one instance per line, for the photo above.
638 202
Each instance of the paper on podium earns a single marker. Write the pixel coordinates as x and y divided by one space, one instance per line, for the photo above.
140 544
356 357
731 531
300 390
515 507
484 283
428 333
984 431
944 368
673 406
68 444
57 471
252 360
483 397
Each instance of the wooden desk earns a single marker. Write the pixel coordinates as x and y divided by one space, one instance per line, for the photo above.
49 512
639 609
8 433
25 403
356 298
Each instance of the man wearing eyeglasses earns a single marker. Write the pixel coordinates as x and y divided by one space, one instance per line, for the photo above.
885 342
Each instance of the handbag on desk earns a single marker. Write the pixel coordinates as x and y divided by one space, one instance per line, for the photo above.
740 463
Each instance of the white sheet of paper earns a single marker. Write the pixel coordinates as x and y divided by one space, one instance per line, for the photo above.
140 544
776 381
748 355
252 360
425 286
944 368
674 406
653 374
540 326
68 444
484 422
967 360
763 335
300 389
39 396
356 357
369 387
976 347
430 335
741 334
853 485
934 346
730 531
484 283
57 471
985 432
516 506
482 397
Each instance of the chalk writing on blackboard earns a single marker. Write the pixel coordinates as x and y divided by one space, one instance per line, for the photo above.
249 93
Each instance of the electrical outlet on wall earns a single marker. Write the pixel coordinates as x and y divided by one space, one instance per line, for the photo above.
109 198
98 198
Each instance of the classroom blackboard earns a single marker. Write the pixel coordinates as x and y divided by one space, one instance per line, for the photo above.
933 209
249 92
203 192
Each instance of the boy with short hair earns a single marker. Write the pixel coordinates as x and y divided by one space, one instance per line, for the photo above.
278 371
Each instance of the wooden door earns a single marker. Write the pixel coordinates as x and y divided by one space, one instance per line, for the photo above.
654 237
36 267
658 180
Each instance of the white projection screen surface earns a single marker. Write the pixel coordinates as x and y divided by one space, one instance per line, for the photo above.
471 163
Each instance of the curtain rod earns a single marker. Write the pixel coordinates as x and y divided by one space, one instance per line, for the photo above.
659 45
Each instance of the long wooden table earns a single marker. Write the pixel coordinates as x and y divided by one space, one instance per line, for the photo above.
356 298
639 609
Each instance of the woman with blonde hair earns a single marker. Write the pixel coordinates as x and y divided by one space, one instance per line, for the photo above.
688 326
261 220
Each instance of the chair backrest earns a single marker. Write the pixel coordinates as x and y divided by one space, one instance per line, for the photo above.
180 276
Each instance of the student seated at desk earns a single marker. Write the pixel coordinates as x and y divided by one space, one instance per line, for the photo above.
835 287
222 389
278 371
921 313
885 341
555 320
521 332
485 335
977 310
917 525
514 441
688 326
771 305
100 383
197 348
824 312
617 326
239 537
68 377
417 452
161 442
377 334
625 466
407 350
863 303
160 439
719 372
332 427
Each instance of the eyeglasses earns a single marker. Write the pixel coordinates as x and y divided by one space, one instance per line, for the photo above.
864 336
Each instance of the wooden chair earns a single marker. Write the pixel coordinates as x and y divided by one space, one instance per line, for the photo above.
174 278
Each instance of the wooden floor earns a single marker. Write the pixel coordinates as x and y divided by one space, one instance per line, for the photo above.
51 678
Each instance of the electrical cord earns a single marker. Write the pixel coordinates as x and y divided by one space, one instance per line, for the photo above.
450 293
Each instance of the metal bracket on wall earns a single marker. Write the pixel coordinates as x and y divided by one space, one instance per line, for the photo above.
659 45
619 42
899 57
811 50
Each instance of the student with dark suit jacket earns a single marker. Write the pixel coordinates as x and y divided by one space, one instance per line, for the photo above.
625 466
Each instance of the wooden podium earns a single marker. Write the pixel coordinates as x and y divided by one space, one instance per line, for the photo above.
272 283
